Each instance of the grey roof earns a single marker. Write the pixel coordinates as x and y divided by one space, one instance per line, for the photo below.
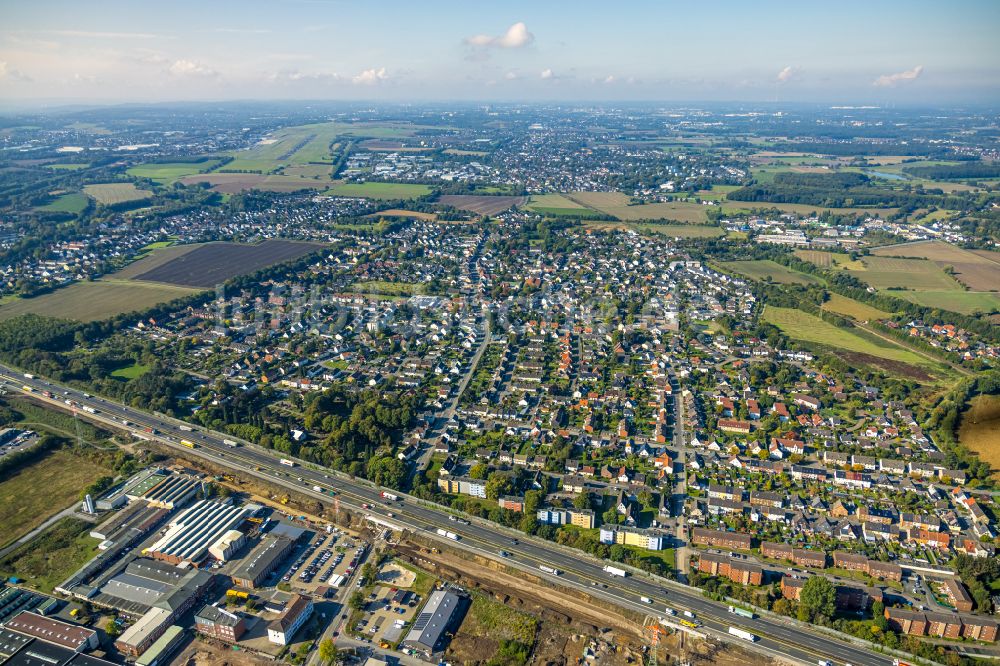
433 620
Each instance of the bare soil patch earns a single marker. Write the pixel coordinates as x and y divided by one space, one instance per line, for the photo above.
482 204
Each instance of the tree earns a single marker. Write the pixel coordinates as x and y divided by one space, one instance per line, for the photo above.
328 653
111 629
582 501
818 597
499 484
357 601
478 471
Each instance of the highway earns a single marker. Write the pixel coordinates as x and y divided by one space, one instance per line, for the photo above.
578 570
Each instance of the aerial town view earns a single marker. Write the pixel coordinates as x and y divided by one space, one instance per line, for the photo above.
499 334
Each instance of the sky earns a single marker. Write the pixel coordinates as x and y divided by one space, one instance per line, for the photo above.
872 52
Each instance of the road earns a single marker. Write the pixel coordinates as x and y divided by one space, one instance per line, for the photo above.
792 640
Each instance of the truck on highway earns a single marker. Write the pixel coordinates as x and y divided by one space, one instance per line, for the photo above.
389 496
669 611
230 442
645 600
551 570
689 614
27 388
448 535
188 443
742 612
689 624
614 571
742 633
186 428
89 409
28 375
318 489
286 461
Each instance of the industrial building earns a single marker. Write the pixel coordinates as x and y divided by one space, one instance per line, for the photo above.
282 629
134 488
173 491
438 614
261 561
70 636
21 650
159 653
195 529
219 623
227 545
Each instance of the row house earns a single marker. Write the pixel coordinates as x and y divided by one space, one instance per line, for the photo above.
736 570
800 556
943 625
720 539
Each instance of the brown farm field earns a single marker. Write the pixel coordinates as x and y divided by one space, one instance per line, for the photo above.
113 193
980 429
912 274
647 228
93 301
155 257
852 308
979 270
399 212
485 204
213 263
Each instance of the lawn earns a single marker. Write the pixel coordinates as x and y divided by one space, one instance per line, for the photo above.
113 193
168 172
130 372
852 308
50 558
809 328
379 190
92 301
66 203
964 302
32 493
766 269
499 622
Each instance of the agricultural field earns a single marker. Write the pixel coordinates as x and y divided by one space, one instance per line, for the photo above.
168 172
963 302
910 274
379 190
113 193
151 257
980 429
617 205
213 263
672 230
825 259
853 309
383 288
66 166
52 556
733 207
313 171
73 202
765 269
231 183
980 271
31 494
93 301
803 326
481 204
400 212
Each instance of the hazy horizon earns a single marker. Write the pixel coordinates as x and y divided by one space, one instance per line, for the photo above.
912 53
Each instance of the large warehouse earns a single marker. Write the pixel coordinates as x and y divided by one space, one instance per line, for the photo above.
429 629
194 530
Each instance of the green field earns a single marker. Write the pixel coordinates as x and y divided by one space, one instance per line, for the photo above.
387 288
379 190
66 203
765 269
29 495
167 172
964 302
50 558
553 201
809 328
112 193
672 230
130 371
92 301
67 166
852 308
911 274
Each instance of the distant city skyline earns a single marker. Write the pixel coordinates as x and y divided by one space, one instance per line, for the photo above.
852 52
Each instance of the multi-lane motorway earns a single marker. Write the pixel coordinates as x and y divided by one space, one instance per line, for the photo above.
791 640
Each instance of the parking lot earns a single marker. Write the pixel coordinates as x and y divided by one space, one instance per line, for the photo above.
329 561
387 615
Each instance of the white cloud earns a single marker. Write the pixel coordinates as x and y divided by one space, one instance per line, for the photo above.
295 76
370 77
191 68
8 73
547 74
511 76
892 80
102 35
516 36
609 79
787 74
